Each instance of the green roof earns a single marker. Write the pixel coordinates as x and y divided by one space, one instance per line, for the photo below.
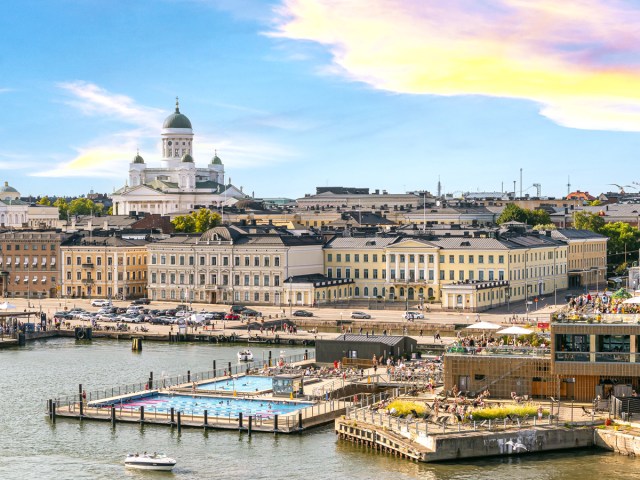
176 119
216 160
186 158
138 159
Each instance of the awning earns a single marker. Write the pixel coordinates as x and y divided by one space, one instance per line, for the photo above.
44 262
35 262
35 279
44 278
26 278
53 261
17 279
17 260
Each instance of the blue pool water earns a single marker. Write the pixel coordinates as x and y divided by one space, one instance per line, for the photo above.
245 384
216 406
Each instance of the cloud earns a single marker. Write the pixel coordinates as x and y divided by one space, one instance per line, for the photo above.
578 59
97 161
93 100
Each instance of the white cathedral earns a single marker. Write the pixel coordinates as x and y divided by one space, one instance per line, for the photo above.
177 186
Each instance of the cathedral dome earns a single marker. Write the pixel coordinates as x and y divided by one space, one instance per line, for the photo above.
186 158
138 159
6 188
216 160
177 119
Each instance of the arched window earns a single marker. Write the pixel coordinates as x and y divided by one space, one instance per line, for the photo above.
430 292
299 297
459 299
375 291
357 290
366 291
401 292
410 293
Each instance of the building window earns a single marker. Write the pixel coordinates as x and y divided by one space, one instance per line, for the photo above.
266 261
276 261
452 259
276 280
460 258
265 280
490 258
480 258
246 280
236 261
256 261
214 260
256 280
329 257
500 258
339 257
225 261
246 262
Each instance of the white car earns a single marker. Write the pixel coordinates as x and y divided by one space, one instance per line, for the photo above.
100 303
413 316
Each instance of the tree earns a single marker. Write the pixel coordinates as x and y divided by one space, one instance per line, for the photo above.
84 206
545 226
623 240
595 203
512 213
44 201
196 222
588 221
63 208
110 211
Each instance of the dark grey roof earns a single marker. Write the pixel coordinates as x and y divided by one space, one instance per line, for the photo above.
391 340
572 234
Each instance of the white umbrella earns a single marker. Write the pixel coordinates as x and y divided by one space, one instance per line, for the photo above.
484 326
515 331
632 300
7 306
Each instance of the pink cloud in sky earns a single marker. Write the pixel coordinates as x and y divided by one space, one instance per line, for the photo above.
579 59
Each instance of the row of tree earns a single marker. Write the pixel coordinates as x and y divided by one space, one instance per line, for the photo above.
197 222
77 206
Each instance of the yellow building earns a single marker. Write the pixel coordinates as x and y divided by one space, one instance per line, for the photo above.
463 272
586 258
104 267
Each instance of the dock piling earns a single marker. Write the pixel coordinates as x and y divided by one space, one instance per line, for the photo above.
173 413
49 402
53 412
113 416
275 423
179 422
229 368
240 420
270 358
150 380
141 413
214 369
300 421
250 422
206 419
188 375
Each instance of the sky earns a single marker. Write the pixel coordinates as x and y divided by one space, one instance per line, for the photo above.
294 94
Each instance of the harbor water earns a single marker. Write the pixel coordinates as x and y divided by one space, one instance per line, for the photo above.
34 448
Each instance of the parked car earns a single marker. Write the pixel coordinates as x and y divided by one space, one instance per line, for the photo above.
302 313
237 308
142 301
100 303
412 316
217 315
362 315
63 316
170 312
232 316
251 313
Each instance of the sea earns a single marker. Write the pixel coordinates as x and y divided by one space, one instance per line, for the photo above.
32 447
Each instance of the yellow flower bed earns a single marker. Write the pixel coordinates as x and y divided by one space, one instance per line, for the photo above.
494 413
404 408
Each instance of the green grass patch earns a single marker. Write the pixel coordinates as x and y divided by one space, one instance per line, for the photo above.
499 413
404 408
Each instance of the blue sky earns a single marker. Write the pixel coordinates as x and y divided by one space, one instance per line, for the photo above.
295 94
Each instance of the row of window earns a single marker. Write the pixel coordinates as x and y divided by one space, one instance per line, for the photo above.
139 260
411 258
246 260
134 275
16 247
238 280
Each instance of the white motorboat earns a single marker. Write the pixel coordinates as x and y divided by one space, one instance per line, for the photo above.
245 355
145 461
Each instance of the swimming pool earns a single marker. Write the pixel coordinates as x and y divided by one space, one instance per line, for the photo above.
215 406
244 384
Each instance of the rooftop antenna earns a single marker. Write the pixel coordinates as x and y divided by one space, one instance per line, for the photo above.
520 182
568 184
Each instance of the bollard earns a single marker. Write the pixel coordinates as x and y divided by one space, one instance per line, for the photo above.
188 375
113 415
275 423
300 421
206 418
250 421
173 411
53 412
240 420
141 414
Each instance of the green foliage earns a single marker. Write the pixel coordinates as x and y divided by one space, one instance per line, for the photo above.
595 203
110 211
196 222
44 201
548 226
84 206
494 413
513 212
624 242
63 208
621 293
404 408
588 221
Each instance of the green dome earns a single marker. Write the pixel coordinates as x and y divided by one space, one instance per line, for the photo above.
176 119
186 158
216 160
138 159
7 188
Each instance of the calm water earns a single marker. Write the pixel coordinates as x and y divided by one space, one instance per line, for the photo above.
33 448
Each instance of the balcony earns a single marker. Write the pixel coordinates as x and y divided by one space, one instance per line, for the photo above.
500 351
87 281
87 265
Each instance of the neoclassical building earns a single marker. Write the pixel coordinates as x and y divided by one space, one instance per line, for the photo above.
177 185
16 213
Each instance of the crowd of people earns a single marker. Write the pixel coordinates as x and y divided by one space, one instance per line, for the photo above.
599 304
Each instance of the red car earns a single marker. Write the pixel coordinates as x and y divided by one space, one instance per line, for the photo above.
232 316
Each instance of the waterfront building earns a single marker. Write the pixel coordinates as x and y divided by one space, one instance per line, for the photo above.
586 257
360 198
232 264
104 265
463 272
177 185
29 263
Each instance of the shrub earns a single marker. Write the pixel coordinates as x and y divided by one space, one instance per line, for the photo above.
404 408
494 413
